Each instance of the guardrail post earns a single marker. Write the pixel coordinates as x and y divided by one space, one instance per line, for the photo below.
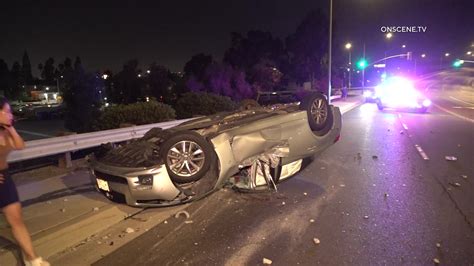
64 160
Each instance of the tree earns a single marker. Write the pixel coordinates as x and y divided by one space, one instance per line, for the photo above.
307 48
4 76
224 80
260 55
82 103
127 85
13 91
48 72
26 76
159 84
197 65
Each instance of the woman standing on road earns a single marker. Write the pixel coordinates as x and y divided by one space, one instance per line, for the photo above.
9 201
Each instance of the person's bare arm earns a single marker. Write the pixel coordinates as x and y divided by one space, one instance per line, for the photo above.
15 140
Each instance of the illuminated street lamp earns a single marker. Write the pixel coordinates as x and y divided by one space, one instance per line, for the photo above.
446 54
389 35
148 71
105 76
469 53
348 47
404 46
423 55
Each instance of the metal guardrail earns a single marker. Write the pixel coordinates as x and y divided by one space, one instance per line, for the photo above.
59 145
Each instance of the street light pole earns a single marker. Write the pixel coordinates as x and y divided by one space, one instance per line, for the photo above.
330 52
363 71
348 47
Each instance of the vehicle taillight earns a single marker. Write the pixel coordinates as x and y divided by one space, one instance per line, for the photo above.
337 138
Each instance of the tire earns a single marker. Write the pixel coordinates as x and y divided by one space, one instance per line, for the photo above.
379 105
319 113
190 162
248 104
422 110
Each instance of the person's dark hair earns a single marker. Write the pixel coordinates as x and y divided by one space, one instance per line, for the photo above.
3 101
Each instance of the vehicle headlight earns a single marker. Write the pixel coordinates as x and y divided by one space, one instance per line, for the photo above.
426 103
145 179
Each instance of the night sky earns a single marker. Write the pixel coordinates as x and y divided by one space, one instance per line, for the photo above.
105 34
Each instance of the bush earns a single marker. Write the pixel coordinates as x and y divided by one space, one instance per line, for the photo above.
202 103
141 113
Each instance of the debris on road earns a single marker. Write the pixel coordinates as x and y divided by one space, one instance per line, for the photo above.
185 213
65 200
283 203
267 261
366 217
450 158
96 209
436 260
438 245
129 230
464 176
342 185
375 157
111 243
165 222
385 195
316 241
455 184
311 220
188 222
323 168
63 210
306 194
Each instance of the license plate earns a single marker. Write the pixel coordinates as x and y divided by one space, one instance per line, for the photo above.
102 184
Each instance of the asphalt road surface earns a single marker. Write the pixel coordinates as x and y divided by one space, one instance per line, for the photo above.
385 194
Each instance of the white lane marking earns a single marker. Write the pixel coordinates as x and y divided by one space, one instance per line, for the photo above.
421 152
34 133
405 126
463 107
459 100
454 114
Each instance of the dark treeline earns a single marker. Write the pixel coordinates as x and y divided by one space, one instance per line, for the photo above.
256 61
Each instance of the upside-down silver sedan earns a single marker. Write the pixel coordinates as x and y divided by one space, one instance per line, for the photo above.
247 149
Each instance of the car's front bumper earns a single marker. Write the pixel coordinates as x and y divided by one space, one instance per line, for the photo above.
122 184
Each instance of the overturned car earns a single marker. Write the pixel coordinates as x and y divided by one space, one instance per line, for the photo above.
248 149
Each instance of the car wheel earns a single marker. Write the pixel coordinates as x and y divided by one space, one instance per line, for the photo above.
187 156
319 114
379 105
422 110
